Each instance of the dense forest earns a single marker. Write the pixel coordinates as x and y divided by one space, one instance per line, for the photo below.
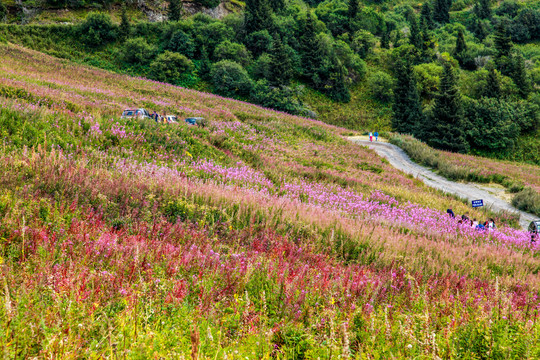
462 76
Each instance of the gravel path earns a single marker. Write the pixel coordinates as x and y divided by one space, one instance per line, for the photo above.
401 161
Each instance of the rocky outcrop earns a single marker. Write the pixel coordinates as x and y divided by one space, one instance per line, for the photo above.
219 12
154 10
27 13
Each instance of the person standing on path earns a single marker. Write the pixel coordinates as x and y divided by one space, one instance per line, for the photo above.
370 137
376 136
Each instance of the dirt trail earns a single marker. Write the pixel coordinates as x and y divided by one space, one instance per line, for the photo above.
401 161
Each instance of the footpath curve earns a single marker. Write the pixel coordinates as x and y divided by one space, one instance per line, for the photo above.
401 161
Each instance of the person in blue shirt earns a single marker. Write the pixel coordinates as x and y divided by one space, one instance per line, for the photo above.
376 136
451 213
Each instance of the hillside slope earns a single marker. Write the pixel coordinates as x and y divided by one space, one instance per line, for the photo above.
262 234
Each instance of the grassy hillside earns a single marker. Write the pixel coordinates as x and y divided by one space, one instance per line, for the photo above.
261 235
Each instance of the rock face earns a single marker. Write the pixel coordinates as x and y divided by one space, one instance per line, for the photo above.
154 14
159 13
28 13
155 10
218 12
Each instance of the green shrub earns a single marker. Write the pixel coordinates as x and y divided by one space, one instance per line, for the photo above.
427 76
137 51
363 43
97 29
211 34
282 98
231 79
259 41
356 66
515 187
380 85
527 200
232 51
182 43
261 67
171 67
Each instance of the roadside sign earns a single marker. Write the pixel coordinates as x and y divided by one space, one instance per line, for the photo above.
477 203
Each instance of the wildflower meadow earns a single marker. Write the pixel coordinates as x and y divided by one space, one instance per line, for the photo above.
259 235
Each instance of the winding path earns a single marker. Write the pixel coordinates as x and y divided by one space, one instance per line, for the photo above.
401 161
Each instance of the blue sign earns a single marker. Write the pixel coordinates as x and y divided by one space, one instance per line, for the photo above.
477 203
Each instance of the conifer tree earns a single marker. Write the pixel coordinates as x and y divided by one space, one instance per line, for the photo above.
482 9
258 16
502 41
503 48
205 66
415 38
441 11
311 56
125 26
281 66
445 128
493 83
397 38
519 75
427 50
461 46
479 28
426 15
174 10
3 11
407 108
330 79
352 12
385 38
277 5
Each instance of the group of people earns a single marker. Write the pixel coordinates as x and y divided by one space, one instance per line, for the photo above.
479 225
376 134
159 118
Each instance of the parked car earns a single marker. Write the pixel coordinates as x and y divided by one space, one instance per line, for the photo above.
196 121
135 114
171 119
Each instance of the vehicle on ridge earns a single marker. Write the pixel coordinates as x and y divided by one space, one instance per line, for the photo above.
135 114
196 121
171 119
